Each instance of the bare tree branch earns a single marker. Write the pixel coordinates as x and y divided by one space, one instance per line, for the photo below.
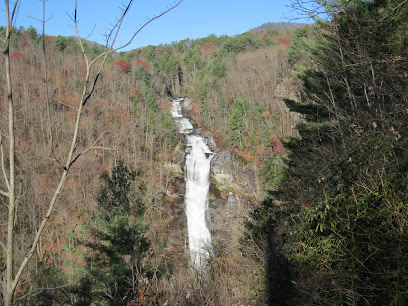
41 20
3 168
91 32
91 147
143 26
16 8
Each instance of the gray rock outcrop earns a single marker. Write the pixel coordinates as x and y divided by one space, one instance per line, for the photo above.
229 174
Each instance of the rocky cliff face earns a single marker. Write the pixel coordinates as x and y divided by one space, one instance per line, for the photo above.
229 174
233 189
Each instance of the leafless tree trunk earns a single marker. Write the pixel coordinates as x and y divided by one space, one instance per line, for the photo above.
14 270
10 180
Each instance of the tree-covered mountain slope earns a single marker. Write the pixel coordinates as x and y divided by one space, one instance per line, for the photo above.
235 84
317 113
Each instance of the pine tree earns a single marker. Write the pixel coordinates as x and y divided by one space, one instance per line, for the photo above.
117 243
236 122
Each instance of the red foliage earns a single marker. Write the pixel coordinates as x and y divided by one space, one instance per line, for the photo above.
277 146
209 47
49 39
283 41
124 66
139 62
17 55
265 37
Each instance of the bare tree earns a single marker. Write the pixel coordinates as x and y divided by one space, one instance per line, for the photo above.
94 67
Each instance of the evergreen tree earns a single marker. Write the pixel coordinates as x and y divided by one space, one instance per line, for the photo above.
236 122
218 68
342 222
117 243
141 73
193 59
33 35
60 43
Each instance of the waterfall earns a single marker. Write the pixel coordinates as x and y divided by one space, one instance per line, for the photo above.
197 176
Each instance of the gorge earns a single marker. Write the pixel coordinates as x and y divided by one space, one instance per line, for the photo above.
281 179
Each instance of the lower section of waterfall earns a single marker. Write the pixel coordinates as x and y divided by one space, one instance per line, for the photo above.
197 172
197 176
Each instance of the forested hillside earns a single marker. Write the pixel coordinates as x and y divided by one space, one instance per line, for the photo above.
126 127
318 112
336 227
280 26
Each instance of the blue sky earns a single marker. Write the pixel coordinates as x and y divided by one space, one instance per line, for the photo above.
192 19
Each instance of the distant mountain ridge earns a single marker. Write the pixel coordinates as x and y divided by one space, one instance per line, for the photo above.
280 26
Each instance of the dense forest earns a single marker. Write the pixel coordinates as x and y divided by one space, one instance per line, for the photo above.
89 164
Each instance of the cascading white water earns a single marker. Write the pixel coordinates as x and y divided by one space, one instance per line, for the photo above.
197 175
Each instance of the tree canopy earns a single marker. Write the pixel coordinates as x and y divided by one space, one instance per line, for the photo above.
341 223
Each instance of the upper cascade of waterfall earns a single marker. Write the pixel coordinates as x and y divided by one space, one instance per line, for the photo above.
183 123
